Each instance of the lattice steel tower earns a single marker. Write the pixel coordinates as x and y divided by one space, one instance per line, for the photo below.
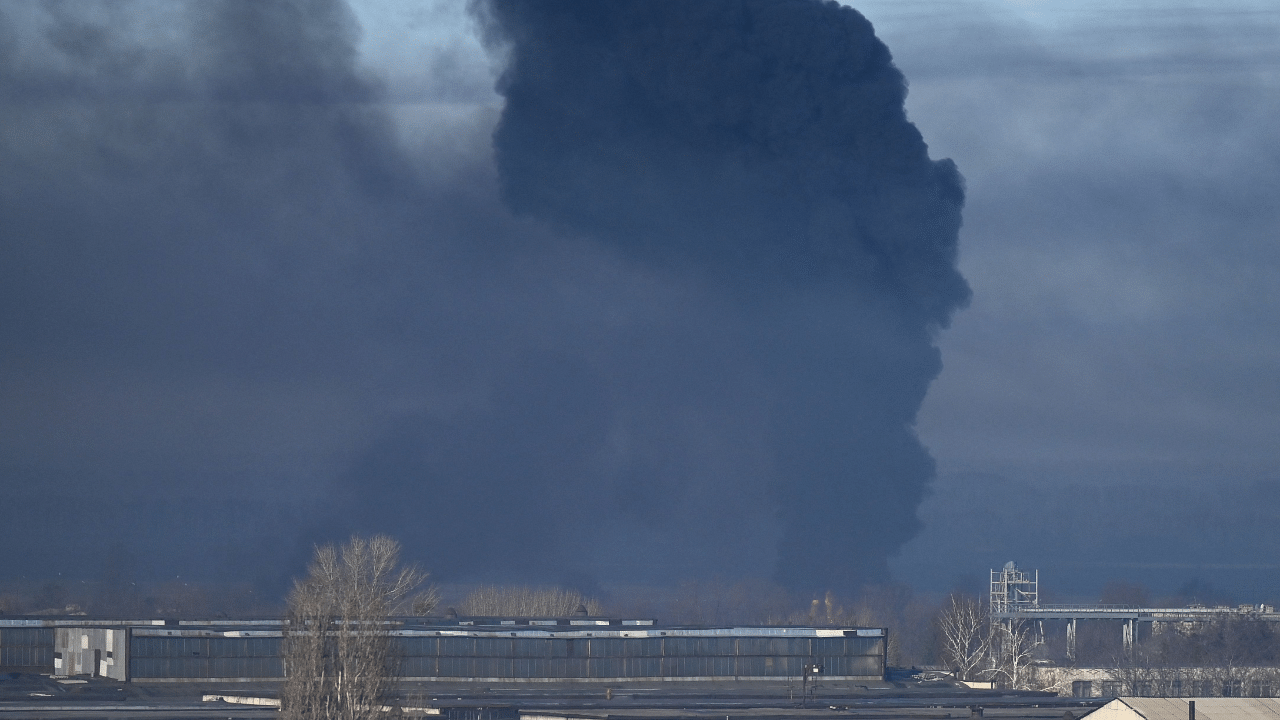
1013 589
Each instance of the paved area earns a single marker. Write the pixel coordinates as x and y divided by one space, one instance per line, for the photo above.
38 696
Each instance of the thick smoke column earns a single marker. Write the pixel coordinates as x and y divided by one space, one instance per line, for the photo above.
239 314
187 190
762 145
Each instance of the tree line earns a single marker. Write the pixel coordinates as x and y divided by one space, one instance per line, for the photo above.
335 615
1228 654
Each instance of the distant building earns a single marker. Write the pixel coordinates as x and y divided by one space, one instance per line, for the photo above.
26 648
481 649
1162 682
1144 708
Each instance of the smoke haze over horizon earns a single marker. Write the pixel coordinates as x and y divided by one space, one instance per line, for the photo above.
636 292
703 335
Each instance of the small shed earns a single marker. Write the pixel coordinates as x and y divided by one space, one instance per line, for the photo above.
1210 708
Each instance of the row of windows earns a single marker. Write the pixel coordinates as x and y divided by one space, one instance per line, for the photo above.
634 667
161 647
637 647
26 657
184 667
28 637
167 647
227 667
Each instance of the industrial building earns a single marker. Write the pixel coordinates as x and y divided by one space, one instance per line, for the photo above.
1015 596
1139 708
26 648
481 650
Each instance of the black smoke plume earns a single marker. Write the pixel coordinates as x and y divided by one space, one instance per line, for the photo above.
238 315
764 145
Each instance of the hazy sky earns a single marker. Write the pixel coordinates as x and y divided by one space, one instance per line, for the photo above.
1122 169
1122 239
1120 233
253 318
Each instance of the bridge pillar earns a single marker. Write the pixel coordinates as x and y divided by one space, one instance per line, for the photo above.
1071 639
1129 627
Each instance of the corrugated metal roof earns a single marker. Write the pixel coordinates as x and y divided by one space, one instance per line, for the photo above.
566 632
83 622
149 631
1131 708
801 632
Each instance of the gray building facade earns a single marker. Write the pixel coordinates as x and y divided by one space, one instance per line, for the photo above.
582 651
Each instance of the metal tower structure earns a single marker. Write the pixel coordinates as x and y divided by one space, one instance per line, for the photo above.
1015 596
1014 590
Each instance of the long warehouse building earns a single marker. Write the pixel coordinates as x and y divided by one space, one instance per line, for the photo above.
484 650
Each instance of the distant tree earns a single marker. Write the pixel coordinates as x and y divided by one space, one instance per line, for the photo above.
1136 676
709 601
1012 645
965 632
425 602
718 601
337 638
891 606
525 601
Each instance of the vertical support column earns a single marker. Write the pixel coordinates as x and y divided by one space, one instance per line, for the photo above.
1071 639
1129 627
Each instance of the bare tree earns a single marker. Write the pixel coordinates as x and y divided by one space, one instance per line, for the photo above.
1136 676
425 602
718 601
965 631
1012 645
519 601
1226 655
892 606
337 638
